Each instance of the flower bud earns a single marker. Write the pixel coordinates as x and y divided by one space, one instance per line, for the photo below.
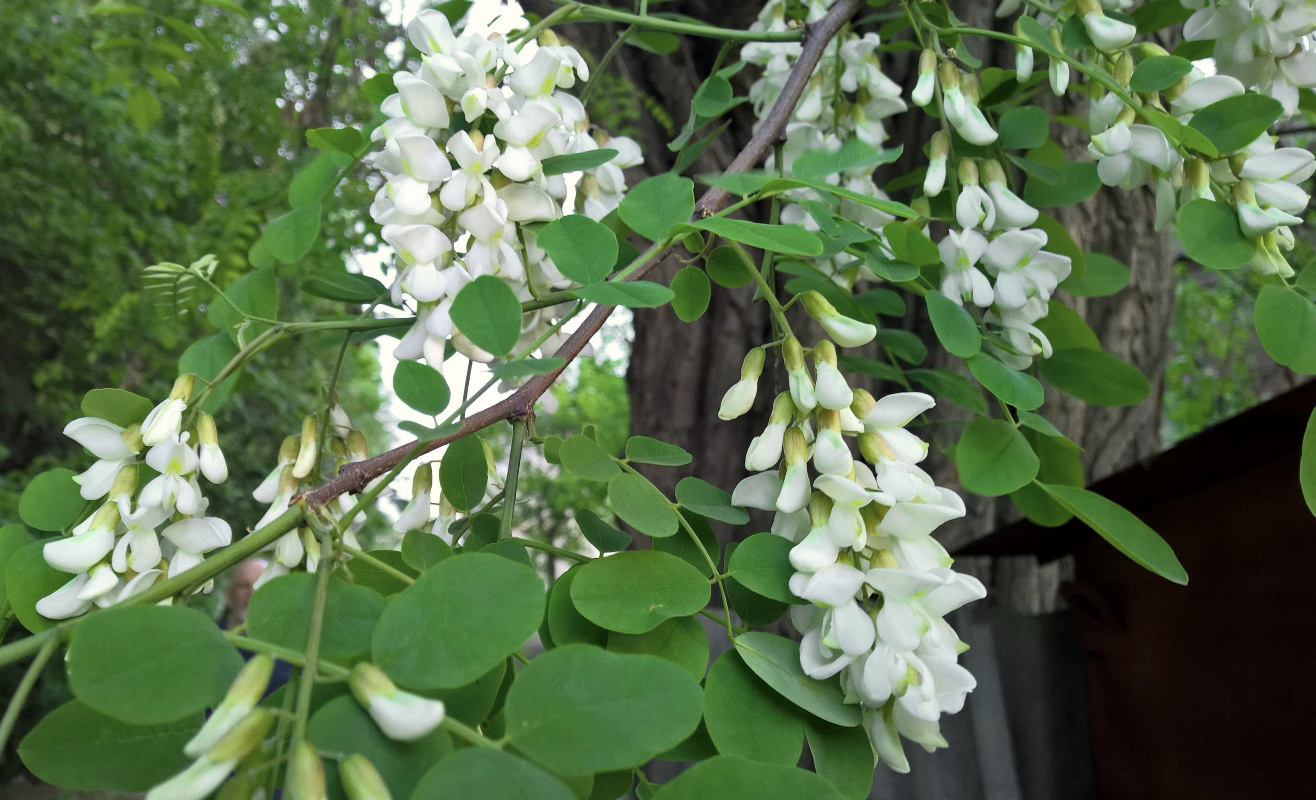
210 770
740 397
795 484
1106 33
242 697
417 513
1124 69
305 774
845 331
402 716
927 78
357 447
1057 70
213 465
952 99
361 781
307 450
935 180
1023 59
831 455
166 418
797 377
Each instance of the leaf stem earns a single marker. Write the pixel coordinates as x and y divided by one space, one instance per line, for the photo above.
377 564
513 476
306 686
17 702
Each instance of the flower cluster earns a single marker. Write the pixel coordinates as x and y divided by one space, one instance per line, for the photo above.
878 584
296 470
1265 44
137 537
465 142
847 98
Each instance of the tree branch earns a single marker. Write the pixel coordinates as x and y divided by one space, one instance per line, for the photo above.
353 478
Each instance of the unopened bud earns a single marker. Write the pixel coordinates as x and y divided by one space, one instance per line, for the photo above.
423 481
824 353
307 451
305 774
357 446
1124 68
820 509
245 737
361 781
863 403
783 410
243 695
132 437
885 559
968 170
948 76
125 482
940 145
183 388
288 450
794 446
752 367
792 353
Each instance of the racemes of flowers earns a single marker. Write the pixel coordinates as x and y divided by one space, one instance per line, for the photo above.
464 145
878 584
847 98
139 534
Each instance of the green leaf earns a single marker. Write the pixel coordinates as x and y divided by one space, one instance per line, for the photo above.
385 583
882 301
582 249
657 42
707 500
954 326
490 775
635 591
583 456
1236 122
1075 182
728 268
1061 463
911 245
713 97
943 383
313 181
1286 326
421 386
342 140
776 660
1307 465
1103 277
786 239
1095 376
28 578
762 564
746 718
691 294
575 162
903 345
681 640
190 667
630 294
205 359
1016 388
256 294
1159 15
342 726
280 613
1023 128
645 450
291 236
144 108
1127 533
578 709
853 155
348 287
487 312
51 501
599 533
422 550
463 473
1066 328
525 367
735 778
76 747
993 458
459 620
566 625
656 204
843 756
691 549
1033 30
1159 72
377 88
12 539
1211 235
641 505
116 405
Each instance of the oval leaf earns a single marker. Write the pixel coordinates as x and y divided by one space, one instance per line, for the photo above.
994 458
1117 525
487 312
1095 376
634 592
582 249
1286 326
642 506
776 660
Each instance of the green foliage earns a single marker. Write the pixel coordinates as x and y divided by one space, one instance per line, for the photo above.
634 592
280 613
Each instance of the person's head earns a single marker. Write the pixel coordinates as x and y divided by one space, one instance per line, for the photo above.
240 589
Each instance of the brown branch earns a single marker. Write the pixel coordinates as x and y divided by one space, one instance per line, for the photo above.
353 478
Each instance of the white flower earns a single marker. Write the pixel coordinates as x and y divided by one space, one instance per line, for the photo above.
833 585
66 601
1106 33
105 440
1022 269
961 280
176 461
82 551
832 390
888 418
139 548
402 716
163 421
831 455
213 767
240 700
794 487
758 491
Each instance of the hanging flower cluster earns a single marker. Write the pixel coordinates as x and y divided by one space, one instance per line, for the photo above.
465 142
297 470
139 536
878 584
847 98
1265 44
